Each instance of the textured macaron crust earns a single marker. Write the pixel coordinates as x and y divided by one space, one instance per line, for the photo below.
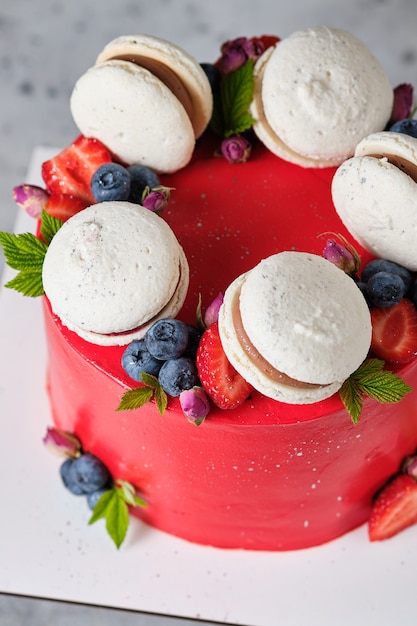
147 100
317 94
112 270
296 314
375 195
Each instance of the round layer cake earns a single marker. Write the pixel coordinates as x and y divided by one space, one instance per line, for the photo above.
266 475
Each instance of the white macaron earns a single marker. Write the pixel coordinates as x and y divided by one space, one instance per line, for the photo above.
318 92
295 327
112 270
375 195
146 99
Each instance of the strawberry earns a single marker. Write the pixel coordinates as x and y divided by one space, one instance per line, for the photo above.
222 383
394 332
63 206
70 171
395 508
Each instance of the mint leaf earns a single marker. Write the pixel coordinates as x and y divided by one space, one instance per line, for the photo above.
26 253
135 398
113 507
149 380
231 104
370 379
161 399
49 227
28 282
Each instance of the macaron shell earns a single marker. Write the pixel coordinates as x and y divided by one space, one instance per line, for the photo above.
377 202
241 361
186 67
323 91
134 114
119 266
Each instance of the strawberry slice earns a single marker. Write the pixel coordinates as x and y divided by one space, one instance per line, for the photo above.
222 383
394 509
394 332
64 206
70 171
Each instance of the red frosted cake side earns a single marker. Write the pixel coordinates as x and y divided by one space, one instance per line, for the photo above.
265 476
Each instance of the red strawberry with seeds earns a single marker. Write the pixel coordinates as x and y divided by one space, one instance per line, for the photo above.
70 171
222 383
64 206
394 332
395 508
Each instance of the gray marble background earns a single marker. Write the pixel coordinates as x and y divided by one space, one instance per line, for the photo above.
45 45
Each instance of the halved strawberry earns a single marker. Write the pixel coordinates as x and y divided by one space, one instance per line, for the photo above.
394 332
222 383
395 508
64 206
70 171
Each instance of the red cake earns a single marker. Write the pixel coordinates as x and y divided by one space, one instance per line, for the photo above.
265 475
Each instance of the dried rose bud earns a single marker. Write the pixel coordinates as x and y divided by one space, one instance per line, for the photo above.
31 198
62 443
212 312
195 404
157 198
234 55
340 256
236 149
410 466
403 101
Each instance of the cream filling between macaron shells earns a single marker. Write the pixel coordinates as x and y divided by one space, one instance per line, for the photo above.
112 270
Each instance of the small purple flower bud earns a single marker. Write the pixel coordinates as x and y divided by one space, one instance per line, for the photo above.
195 404
403 102
237 52
31 198
236 149
156 199
62 443
410 466
340 256
212 312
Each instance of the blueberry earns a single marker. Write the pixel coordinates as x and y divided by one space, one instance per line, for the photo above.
178 374
167 339
67 478
136 359
212 74
364 289
89 473
94 497
385 289
407 126
381 265
140 178
110 182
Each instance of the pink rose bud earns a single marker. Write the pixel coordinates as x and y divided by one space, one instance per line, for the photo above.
340 256
403 101
236 149
31 198
62 443
195 404
212 312
156 199
237 52
410 466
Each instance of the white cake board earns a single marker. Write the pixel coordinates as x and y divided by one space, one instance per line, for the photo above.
47 549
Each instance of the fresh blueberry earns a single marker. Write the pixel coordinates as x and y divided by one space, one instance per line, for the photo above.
212 74
385 289
94 497
136 359
381 265
407 126
167 339
194 336
89 473
140 178
67 478
110 182
178 374
364 289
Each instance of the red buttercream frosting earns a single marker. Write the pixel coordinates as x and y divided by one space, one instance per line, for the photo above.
265 476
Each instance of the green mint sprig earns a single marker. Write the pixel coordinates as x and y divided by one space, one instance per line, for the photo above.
113 506
371 380
26 253
138 396
231 114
